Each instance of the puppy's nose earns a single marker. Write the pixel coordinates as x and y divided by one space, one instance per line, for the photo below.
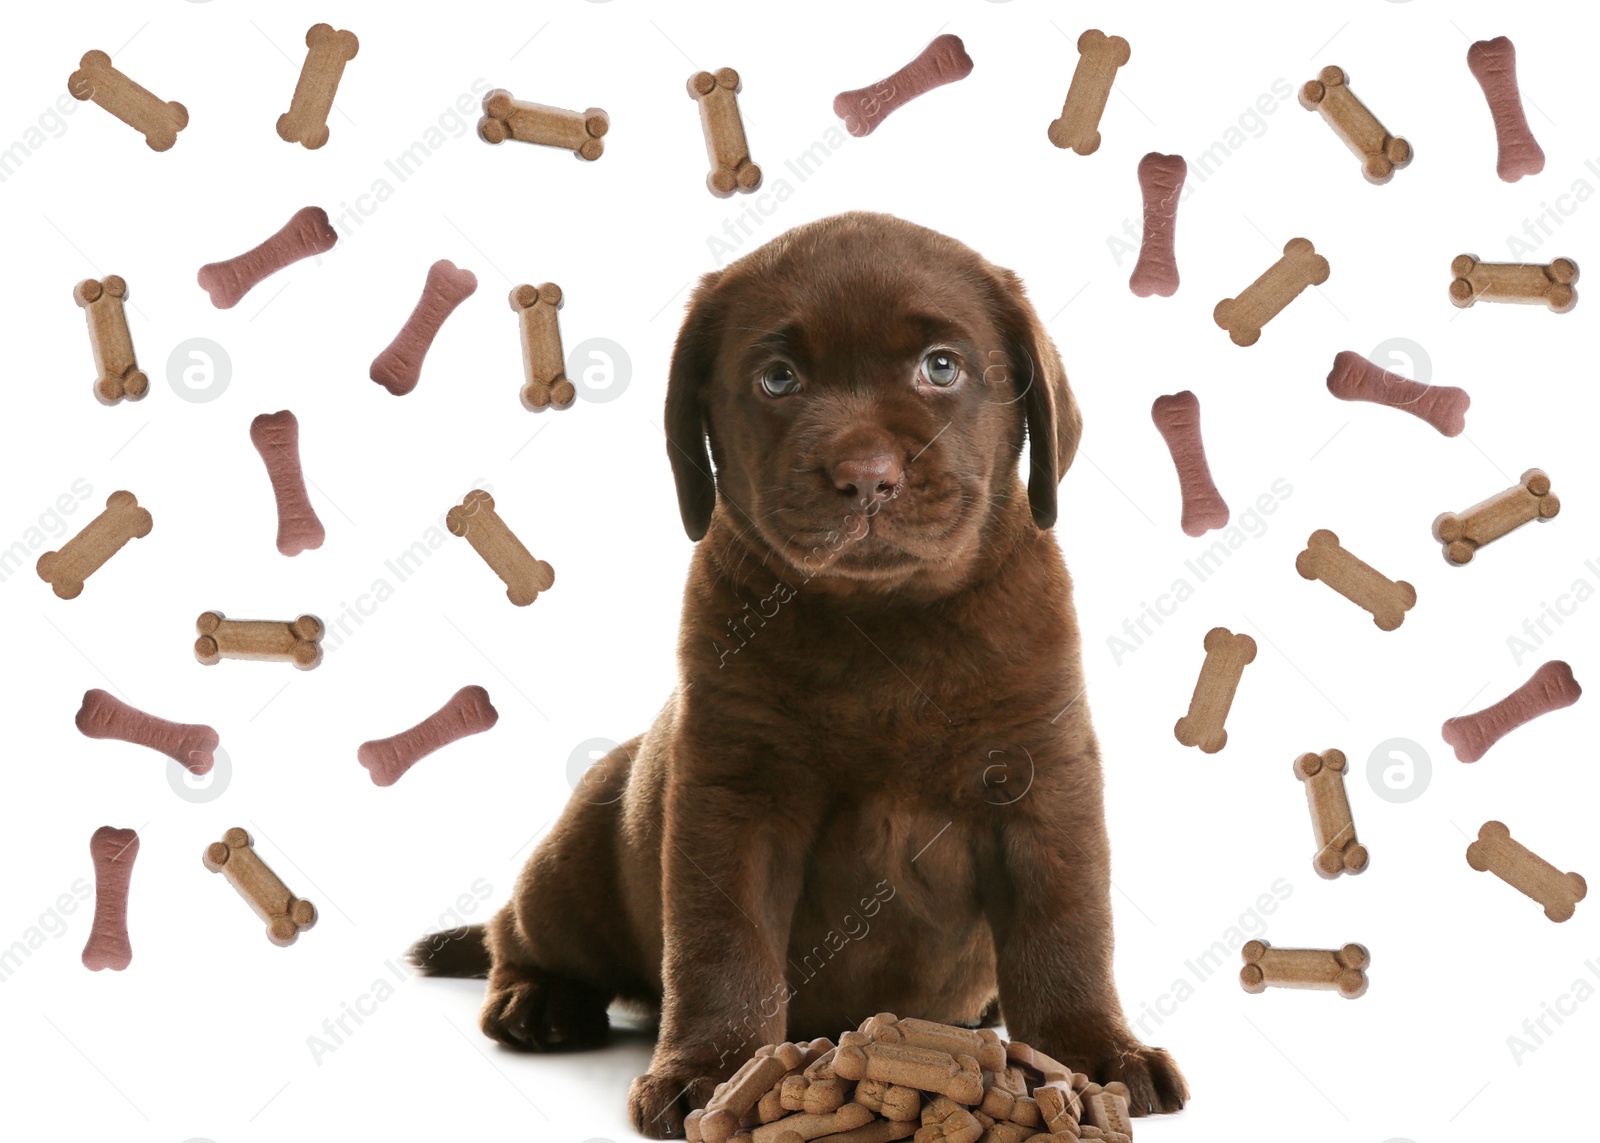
868 476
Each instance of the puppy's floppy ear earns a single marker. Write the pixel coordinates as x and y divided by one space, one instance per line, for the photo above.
693 359
1054 423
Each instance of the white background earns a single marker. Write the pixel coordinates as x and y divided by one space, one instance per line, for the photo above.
206 1033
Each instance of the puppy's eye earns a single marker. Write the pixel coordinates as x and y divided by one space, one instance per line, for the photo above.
779 380
941 368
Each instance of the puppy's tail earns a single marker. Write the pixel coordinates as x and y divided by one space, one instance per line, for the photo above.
454 952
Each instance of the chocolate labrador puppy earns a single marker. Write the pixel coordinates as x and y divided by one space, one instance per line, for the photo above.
876 787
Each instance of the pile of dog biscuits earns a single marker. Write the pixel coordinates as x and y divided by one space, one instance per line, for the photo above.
910 1079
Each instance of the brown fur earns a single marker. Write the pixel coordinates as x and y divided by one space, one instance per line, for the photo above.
876 787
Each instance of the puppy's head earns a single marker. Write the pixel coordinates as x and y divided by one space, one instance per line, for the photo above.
864 386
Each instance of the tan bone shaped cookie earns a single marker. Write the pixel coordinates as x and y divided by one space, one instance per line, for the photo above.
543 367
298 641
1099 57
1528 283
1227 655
1266 297
1463 533
286 915
1525 871
926 1069
1342 970
101 538
327 51
726 146
1335 829
476 519
1381 154
982 1044
158 121
506 117
109 340
1385 599
734 1099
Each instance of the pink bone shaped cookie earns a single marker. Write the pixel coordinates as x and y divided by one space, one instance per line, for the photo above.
103 715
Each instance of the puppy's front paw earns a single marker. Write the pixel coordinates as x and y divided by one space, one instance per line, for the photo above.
1155 1085
658 1101
537 1012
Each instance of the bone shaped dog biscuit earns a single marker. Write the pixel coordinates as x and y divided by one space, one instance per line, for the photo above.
1107 1108
1060 1105
806 1126
1525 871
1381 153
801 1093
1161 185
1549 688
1335 830
1266 297
739 1093
306 233
926 1069
1527 283
877 1131
1177 419
505 117
109 340
277 438
268 640
1354 378
468 712
103 715
158 121
1227 655
1008 1099
476 519
982 1044
399 367
945 1121
543 368
1493 64
890 1100
286 915
1099 57
1342 969
113 852
943 61
1463 533
1040 1068
101 538
726 146
327 51
1385 599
